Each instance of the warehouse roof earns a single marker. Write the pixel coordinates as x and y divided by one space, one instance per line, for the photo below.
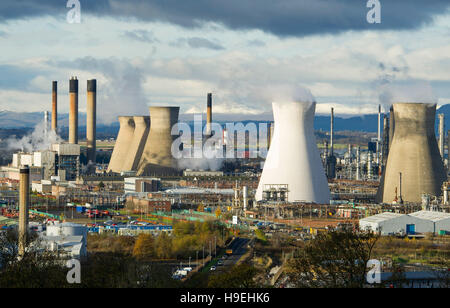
430 215
381 217
196 190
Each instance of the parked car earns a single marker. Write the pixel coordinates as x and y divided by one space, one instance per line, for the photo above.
213 268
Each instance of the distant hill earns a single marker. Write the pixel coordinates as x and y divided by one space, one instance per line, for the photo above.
365 123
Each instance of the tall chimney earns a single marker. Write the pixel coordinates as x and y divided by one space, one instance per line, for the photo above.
391 126
209 115
55 106
386 138
332 133
441 134
73 112
24 203
91 114
379 135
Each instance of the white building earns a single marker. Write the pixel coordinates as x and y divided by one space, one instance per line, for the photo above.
419 222
437 221
68 239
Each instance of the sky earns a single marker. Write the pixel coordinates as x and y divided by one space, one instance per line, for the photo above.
248 53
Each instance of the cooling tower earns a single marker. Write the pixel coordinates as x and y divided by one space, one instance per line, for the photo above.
414 154
157 157
136 147
123 141
73 111
55 106
293 157
91 119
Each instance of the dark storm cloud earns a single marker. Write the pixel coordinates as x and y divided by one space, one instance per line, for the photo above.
281 17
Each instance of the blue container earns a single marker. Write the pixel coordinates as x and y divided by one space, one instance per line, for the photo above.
81 209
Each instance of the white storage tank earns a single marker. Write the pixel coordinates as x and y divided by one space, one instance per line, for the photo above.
53 230
71 229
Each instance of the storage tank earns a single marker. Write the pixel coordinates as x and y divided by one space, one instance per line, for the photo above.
414 154
53 230
72 229
293 158
123 141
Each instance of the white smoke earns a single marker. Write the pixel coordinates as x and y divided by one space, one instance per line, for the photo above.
212 159
40 139
407 92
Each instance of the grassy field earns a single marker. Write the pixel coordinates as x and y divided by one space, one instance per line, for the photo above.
433 251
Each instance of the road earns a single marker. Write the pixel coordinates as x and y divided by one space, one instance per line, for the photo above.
239 247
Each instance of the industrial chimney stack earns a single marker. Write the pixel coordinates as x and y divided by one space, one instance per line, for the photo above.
441 134
91 114
209 115
73 112
55 106
24 203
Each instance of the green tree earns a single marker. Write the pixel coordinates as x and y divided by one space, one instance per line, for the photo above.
334 259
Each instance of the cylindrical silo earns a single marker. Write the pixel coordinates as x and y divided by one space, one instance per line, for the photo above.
293 158
73 111
122 145
136 147
245 197
157 156
414 154
91 118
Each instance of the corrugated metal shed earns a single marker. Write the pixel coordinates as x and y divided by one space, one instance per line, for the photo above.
382 217
430 215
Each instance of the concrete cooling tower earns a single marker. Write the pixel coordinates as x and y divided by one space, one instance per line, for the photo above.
123 141
414 165
293 160
157 157
136 147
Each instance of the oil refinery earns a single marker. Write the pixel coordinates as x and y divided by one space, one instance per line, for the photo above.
203 145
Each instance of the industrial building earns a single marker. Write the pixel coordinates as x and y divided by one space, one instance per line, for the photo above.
69 240
293 170
414 165
62 160
388 223
139 184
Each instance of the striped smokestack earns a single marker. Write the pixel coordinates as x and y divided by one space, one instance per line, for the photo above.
91 121
73 112
55 106
209 115
24 204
